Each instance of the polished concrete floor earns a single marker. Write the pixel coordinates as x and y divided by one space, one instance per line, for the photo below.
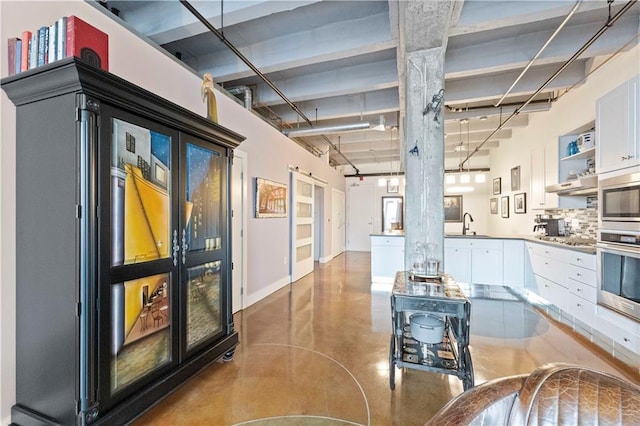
317 353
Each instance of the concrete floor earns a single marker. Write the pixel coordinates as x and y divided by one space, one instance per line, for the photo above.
317 353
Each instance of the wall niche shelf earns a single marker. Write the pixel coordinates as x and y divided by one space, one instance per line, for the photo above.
589 153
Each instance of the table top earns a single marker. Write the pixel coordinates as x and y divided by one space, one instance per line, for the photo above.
448 289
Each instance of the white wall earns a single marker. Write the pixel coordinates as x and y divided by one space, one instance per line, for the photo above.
476 203
133 59
570 112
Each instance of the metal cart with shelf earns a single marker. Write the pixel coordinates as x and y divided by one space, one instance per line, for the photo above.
443 298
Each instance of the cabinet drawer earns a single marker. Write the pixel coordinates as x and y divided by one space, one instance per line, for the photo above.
552 292
621 336
583 310
586 276
583 260
387 241
583 290
551 252
550 269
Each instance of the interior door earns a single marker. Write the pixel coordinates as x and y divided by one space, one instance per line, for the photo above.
360 211
337 222
302 232
238 226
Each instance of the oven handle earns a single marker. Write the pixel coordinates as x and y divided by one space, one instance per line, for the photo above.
615 248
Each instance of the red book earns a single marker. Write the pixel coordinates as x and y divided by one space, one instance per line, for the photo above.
26 39
88 43
12 45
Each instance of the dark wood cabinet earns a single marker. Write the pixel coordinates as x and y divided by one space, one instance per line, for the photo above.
123 271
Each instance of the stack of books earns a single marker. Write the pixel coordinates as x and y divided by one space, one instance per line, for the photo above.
68 36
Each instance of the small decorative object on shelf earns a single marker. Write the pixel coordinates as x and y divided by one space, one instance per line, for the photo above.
209 96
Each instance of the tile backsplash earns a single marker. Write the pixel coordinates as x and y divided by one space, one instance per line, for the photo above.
586 218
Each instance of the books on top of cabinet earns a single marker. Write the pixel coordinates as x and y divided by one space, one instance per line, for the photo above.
68 36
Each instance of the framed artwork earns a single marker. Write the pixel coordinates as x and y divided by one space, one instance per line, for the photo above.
497 186
520 203
493 205
392 189
453 208
271 199
504 210
515 178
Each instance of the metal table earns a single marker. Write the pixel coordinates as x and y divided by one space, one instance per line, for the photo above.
445 300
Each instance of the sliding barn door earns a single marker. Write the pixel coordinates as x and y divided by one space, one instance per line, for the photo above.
301 225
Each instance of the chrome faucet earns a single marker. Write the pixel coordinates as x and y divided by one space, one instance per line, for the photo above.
465 227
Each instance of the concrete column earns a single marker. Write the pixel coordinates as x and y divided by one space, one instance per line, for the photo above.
424 154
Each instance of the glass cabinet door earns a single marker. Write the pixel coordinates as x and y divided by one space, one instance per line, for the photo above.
139 233
203 241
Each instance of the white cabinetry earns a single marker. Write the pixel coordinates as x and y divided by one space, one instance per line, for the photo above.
387 257
457 261
549 266
538 179
474 260
513 263
624 331
581 278
617 125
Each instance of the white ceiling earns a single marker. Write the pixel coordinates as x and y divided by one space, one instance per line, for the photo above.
337 61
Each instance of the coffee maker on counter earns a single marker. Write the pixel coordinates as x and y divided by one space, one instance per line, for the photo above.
548 226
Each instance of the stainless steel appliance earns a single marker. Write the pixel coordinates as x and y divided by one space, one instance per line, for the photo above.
619 271
619 202
618 246
556 227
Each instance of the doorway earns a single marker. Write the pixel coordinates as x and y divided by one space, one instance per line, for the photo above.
239 191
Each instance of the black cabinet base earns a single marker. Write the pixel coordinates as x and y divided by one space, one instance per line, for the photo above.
133 407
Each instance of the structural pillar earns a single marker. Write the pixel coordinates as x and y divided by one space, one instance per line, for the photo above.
424 146
423 40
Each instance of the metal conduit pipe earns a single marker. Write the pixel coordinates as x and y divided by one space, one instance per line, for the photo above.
246 92
253 68
580 51
544 46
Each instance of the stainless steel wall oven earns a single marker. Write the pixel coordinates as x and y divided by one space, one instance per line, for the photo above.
618 246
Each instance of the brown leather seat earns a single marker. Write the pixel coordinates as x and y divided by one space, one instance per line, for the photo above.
554 394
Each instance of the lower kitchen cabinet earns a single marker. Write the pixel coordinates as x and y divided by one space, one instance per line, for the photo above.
513 269
457 263
625 332
474 260
387 257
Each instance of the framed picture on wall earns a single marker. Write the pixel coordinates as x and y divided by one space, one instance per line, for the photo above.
520 203
271 199
515 178
392 188
497 186
493 205
504 209
453 208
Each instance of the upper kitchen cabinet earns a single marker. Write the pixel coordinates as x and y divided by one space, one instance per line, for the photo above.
617 125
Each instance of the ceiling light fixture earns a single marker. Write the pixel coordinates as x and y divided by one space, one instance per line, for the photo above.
314 131
450 179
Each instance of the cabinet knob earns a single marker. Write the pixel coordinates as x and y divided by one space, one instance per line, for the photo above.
626 339
578 305
578 259
579 289
578 274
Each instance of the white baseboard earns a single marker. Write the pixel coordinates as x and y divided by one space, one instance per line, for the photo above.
266 291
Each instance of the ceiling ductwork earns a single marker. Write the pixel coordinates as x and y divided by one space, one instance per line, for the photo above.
245 92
